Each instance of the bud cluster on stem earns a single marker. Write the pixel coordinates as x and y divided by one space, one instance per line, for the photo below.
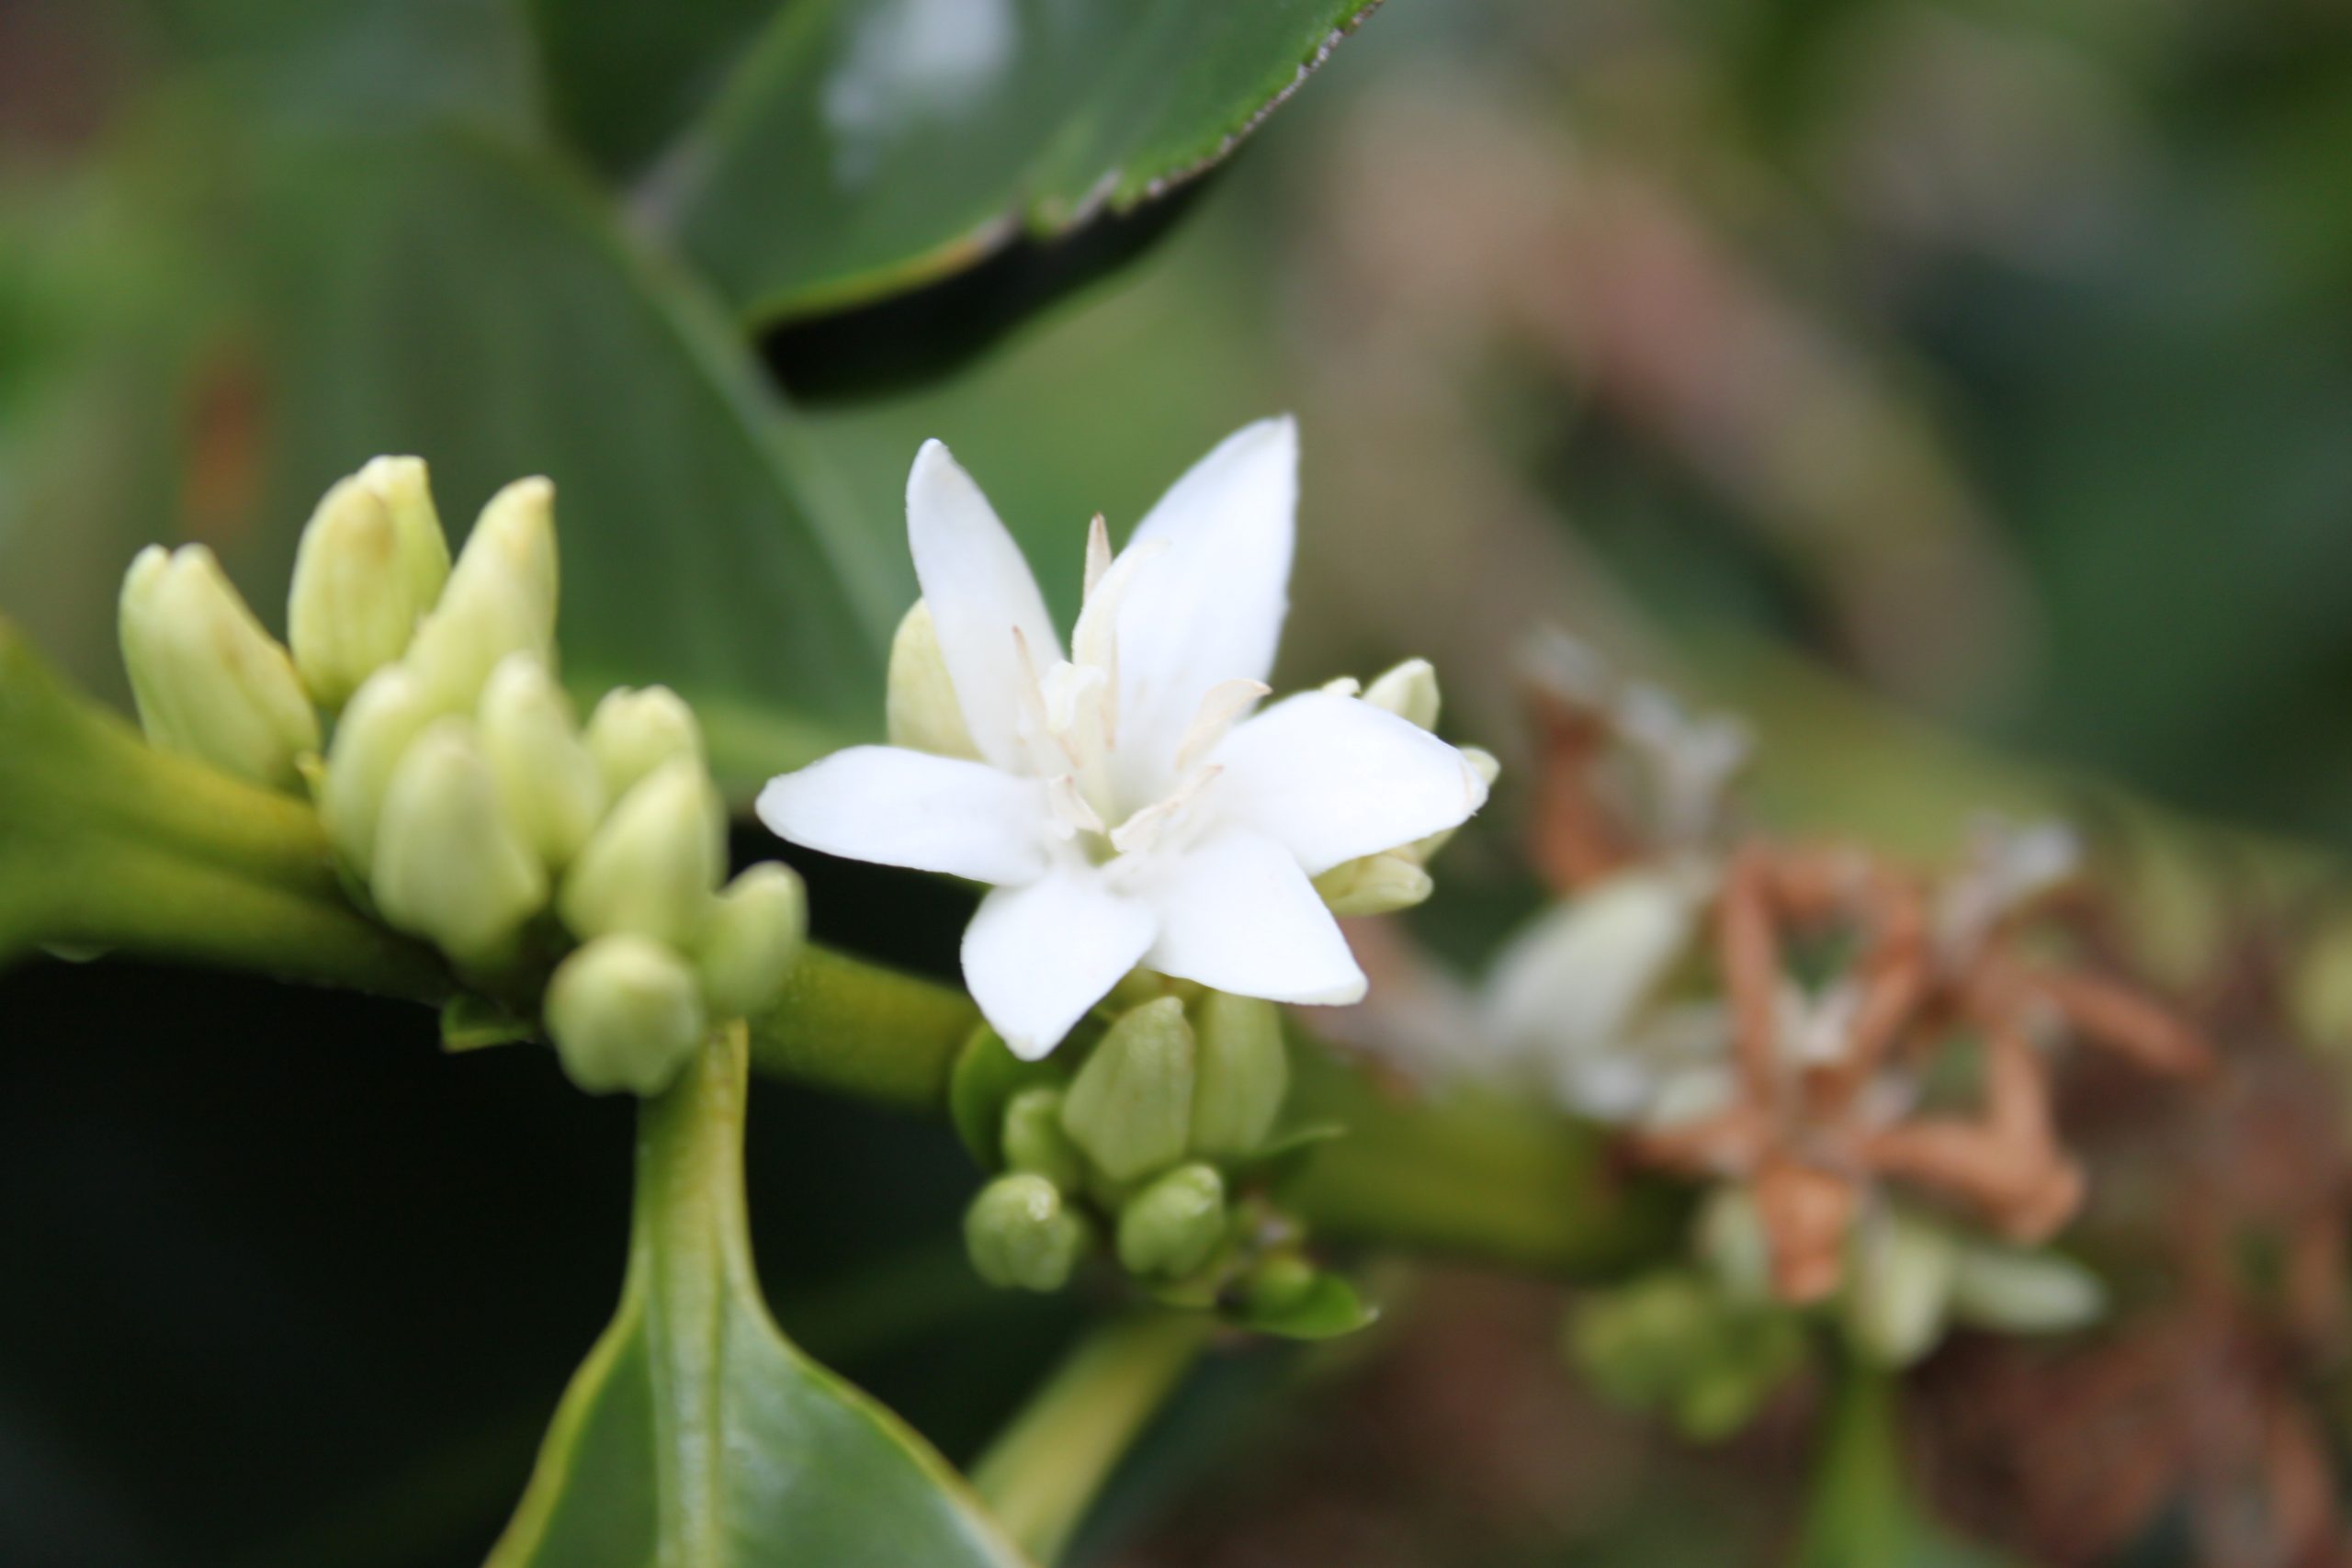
1148 1139
458 787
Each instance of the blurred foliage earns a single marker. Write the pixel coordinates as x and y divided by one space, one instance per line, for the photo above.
1996 358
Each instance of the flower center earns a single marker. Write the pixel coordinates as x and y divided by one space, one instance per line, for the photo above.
1069 722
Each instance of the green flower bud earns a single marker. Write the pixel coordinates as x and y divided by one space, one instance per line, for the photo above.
1672 1340
1279 1284
921 706
624 1014
404 487
1034 1140
389 710
1731 1242
1409 691
1242 1072
1374 884
1173 1226
653 866
447 865
501 597
2015 1291
1020 1236
1898 1287
354 605
209 681
1130 1108
751 940
549 786
634 732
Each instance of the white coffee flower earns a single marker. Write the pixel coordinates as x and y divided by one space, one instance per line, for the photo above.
1126 804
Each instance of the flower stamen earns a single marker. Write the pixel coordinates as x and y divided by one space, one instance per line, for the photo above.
1220 706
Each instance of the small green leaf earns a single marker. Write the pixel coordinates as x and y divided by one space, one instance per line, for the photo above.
1329 1308
695 1433
471 1022
866 146
1279 1153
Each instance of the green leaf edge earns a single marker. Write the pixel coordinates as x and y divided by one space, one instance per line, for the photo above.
776 51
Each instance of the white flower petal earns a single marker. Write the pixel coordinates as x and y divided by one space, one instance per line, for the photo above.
1236 913
980 591
1210 608
895 807
1036 958
1332 777
1575 980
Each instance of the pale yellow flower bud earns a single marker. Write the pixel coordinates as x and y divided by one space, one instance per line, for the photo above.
921 706
634 732
354 605
1374 884
549 784
388 713
653 867
209 681
1898 1287
624 1014
501 597
751 939
405 488
448 866
1410 691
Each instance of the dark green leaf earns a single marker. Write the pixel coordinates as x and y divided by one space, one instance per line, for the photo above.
695 1433
445 294
622 78
468 303
867 146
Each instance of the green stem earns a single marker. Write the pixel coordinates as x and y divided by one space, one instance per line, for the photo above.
1470 1172
1860 1513
1043 1473
107 842
862 1030
690 1253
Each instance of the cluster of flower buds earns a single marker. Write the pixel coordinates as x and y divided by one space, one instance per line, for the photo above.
466 802
1858 1057
1153 1134
1397 878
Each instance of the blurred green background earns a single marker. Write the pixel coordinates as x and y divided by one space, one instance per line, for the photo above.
1994 359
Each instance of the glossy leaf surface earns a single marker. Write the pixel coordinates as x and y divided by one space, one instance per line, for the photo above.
695 1433
868 146
488 313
